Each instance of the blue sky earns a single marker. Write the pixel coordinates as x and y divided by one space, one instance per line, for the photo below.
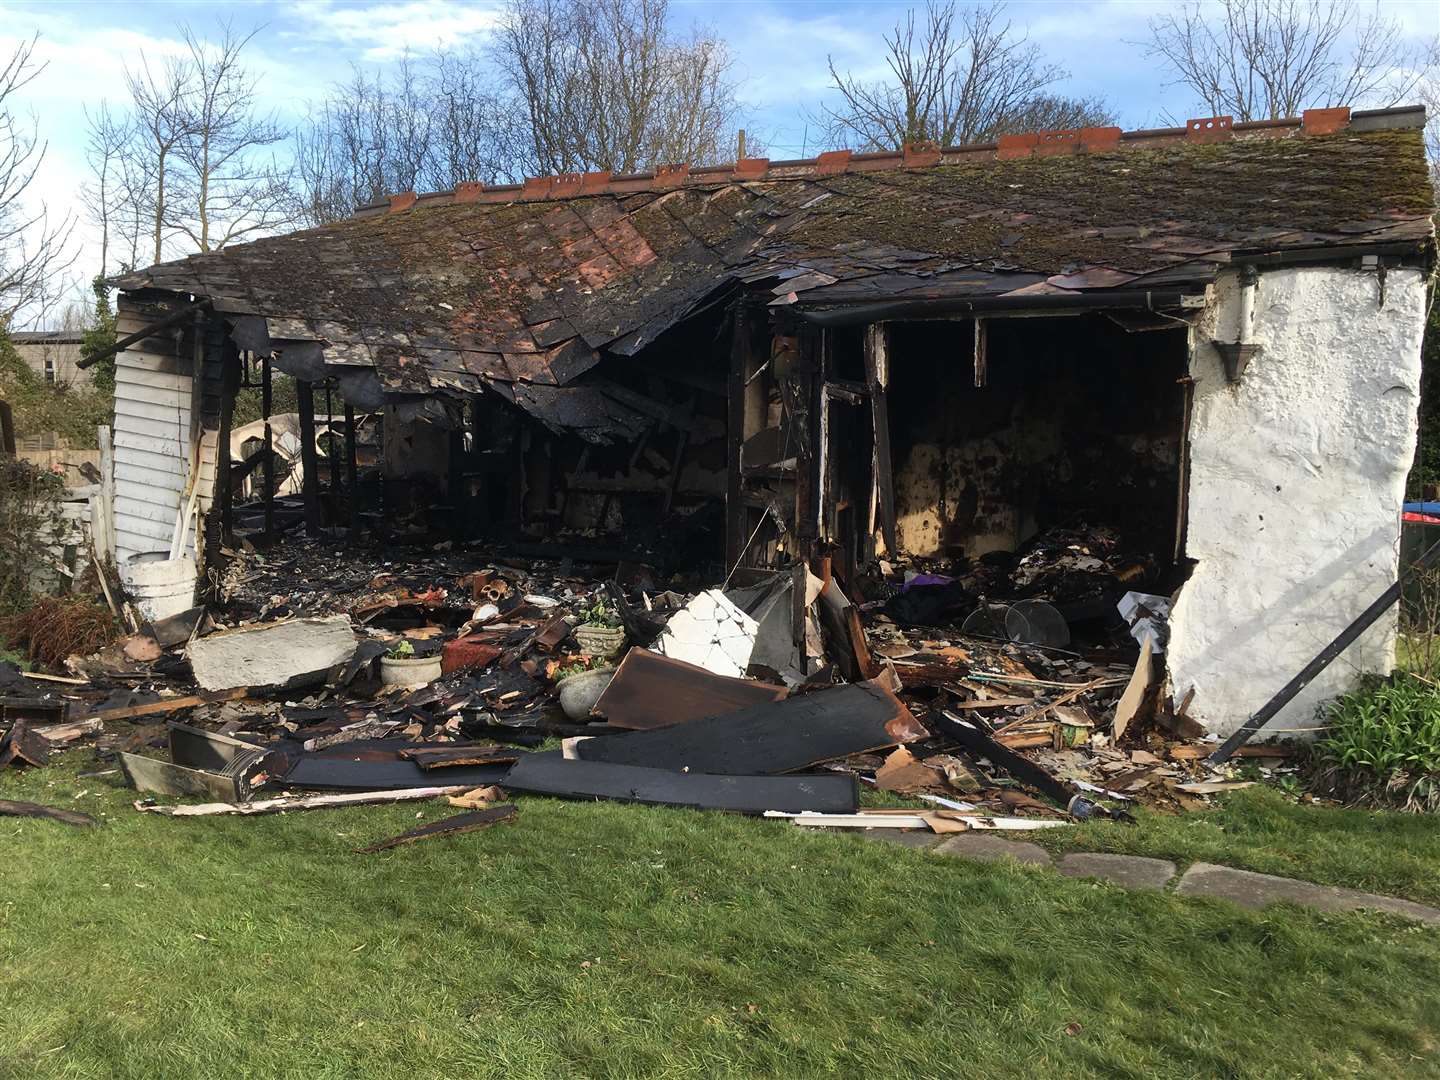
780 51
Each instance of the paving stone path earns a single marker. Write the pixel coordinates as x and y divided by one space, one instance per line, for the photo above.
1243 887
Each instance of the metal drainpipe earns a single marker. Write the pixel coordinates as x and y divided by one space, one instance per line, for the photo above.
1238 354
1249 278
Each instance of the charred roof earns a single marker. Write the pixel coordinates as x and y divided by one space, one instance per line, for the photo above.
505 285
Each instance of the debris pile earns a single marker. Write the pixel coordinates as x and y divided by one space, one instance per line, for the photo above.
342 679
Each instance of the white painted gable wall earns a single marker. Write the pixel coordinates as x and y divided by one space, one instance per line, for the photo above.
1297 477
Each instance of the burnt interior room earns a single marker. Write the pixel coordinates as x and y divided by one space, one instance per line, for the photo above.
632 453
651 471
1070 430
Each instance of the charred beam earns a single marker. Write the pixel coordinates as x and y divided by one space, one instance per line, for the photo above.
309 465
266 391
175 317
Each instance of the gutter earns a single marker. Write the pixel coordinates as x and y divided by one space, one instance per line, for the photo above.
857 314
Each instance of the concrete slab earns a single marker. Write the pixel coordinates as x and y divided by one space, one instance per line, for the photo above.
1127 871
912 838
291 653
1252 890
986 847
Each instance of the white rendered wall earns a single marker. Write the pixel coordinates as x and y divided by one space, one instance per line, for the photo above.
1297 475
153 432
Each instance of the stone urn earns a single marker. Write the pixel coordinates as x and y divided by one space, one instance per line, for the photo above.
602 641
409 670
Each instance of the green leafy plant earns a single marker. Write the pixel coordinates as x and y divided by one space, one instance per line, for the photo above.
72 412
403 651
600 614
101 336
579 667
1382 743
30 527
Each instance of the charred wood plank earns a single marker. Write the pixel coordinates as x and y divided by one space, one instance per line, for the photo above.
451 826
877 374
735 513
22 743
447 757
10 808
309 465
266 402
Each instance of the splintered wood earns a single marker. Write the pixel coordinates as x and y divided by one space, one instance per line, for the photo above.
451 826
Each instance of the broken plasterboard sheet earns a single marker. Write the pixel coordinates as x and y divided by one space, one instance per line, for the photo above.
277 654
712 633
769 604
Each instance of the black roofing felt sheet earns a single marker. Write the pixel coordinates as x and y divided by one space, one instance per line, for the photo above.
551 774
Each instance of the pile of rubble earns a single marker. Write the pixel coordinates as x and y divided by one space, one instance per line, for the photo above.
339 678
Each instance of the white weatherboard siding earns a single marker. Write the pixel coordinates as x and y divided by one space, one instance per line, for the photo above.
1297 476
153 397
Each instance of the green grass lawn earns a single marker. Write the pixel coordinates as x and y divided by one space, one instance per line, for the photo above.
595 940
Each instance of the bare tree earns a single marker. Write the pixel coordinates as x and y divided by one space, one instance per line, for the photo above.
369 138
1429 95
192 160
1264 59
75 316
473 132
961 75
158 100
605 85
34 250
569 85
230 189
105 194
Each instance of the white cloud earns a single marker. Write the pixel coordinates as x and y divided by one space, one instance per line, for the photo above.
387 31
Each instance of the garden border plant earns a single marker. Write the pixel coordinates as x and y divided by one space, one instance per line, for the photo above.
1381 744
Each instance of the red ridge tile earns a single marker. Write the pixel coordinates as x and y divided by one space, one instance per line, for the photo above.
1209 129
1325 121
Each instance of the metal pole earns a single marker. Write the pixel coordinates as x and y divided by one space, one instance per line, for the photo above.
1323 659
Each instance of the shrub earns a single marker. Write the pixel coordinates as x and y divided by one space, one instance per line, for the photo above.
1381 744
73 412
30 523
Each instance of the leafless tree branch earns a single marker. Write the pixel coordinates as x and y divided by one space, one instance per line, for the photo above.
1266 59
958 75
35 249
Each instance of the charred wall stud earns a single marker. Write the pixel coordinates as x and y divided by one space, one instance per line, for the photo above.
877 374
309 465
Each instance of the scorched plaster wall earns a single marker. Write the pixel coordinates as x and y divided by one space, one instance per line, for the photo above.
1297 476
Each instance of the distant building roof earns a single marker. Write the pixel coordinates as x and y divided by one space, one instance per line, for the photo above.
48 337
522 284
